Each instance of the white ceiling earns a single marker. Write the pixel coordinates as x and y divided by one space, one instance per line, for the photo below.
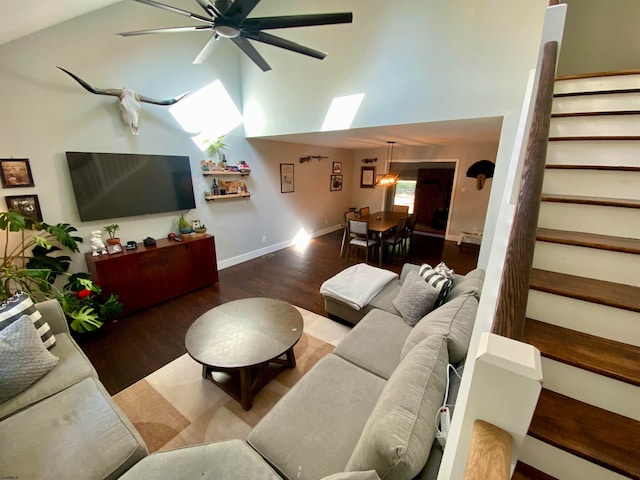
19 18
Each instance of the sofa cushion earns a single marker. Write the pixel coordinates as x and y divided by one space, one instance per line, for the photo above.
384 299
313 429
454 320
401 429
375 343
23 357
415 299
471 283
21 304
440 278
73 366
86 437
368 475
228 460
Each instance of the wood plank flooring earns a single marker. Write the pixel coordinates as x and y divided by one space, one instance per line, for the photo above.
129 349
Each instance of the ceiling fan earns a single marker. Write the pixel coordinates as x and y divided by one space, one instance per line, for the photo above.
229 20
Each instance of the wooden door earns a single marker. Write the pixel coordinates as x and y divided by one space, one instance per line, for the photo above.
432 198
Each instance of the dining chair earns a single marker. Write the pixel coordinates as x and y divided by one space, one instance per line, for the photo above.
364 211
360 230
396 238
349 215
400 209
407 234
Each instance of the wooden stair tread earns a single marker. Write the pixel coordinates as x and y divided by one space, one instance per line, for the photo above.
595 354
605 138
569 166
583 200
588 289
605 113
527 472
615 73
605 438
590 240
597 92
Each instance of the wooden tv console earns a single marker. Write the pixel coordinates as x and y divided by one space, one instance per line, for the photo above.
150 275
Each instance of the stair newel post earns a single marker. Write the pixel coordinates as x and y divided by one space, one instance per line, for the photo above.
514 287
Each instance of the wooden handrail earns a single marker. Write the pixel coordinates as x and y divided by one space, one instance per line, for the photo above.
514 287
489 453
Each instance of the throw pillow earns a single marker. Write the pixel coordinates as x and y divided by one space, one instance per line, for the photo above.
398 435
23 358
415 299
454 320
442 279
21 304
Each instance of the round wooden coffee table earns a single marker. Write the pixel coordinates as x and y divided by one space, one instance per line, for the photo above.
238 342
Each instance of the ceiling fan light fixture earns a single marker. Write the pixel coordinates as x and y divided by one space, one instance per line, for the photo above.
227 31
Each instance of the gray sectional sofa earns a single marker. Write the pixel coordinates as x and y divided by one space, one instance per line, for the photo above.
65 425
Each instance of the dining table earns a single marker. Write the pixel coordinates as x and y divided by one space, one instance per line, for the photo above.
381 223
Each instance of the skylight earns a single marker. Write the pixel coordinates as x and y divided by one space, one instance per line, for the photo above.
207 113
341 112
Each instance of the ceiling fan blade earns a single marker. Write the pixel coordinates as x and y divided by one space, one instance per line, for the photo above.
286 44
251 52
206 50
240 9
179 11
290 21
165 30
208 7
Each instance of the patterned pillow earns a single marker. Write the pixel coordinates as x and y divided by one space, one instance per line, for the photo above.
440 277
415 299
20 304
23 358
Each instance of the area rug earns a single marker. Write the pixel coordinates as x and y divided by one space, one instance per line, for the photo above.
175 407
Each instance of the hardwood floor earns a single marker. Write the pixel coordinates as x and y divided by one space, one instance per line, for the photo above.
129 349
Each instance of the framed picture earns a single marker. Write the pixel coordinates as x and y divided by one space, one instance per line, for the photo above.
336 183
25 205
287 184
367 177
115 248
337 168
16 172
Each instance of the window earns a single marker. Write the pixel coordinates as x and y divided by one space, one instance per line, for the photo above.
405 192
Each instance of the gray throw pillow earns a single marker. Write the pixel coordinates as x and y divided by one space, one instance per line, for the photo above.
415 299
397 438
454 320
23 358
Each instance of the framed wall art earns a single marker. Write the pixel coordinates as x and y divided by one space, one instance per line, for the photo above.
287 184
336 183
337 168
25 205
16 172
367 177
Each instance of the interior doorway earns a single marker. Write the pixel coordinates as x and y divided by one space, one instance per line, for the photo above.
432 199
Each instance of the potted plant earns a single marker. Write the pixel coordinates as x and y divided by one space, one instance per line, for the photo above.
28 265
183 225
111 230
215 147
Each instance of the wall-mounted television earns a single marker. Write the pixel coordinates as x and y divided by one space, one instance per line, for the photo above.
113 185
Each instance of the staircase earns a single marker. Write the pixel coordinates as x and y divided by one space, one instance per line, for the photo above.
584 300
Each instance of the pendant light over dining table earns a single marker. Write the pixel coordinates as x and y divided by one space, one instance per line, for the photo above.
388 178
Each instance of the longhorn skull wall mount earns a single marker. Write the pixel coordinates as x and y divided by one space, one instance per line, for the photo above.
129 100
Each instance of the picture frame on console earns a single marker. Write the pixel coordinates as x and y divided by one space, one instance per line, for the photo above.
114 248
25 205
15 173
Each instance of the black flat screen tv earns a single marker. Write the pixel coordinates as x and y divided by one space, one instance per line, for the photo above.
113 185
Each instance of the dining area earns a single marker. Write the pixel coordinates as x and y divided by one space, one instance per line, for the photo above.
378 232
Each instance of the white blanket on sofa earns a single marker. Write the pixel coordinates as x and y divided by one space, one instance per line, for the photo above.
357 285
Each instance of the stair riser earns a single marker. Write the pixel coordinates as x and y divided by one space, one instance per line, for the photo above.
599 320
588 262
614 82
608 125
597 103
618 222
594 183
561 464
600 391
591 152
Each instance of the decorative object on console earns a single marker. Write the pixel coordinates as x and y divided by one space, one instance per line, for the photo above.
481 171
388 178
184 226
229 20
111 231
149 242
97 245
129 100
15 173
114 248
26 205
